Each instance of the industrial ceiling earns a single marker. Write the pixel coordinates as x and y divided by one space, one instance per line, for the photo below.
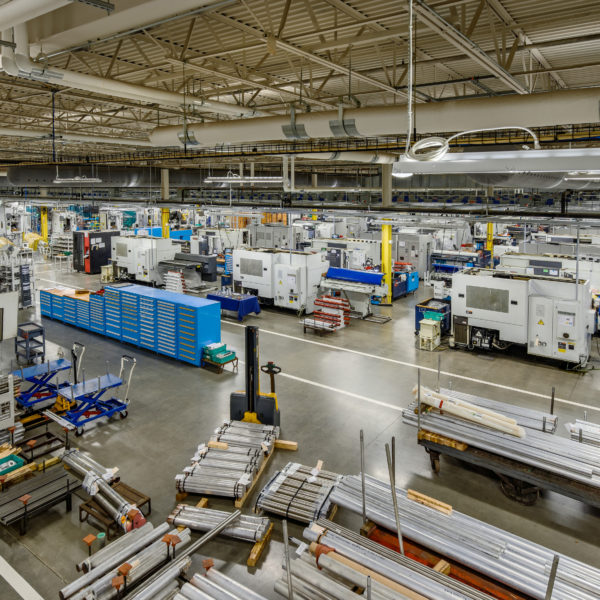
200 61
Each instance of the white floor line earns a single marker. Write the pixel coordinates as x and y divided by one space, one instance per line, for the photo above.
416 366
337 390
17 582
70 287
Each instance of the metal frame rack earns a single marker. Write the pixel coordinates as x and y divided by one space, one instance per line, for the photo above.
169 323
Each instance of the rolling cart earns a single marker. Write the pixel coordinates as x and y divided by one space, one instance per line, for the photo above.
87 401
30 342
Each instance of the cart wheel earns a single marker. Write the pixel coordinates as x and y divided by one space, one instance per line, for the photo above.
519 491
434 459
123 414
79 431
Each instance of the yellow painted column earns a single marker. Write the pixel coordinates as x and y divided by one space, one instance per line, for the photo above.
165 215
489 245
44 223
386 258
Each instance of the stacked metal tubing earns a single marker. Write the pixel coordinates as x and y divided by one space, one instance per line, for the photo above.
105 561
247 527
392 565
215 585
17 436
526 417
311 580
298 492
228 471
124 514
562 456
514 561
584 432
247 435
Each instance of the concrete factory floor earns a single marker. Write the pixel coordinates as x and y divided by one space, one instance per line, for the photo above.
329 389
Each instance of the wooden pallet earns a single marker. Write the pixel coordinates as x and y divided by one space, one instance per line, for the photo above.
442 440
241 501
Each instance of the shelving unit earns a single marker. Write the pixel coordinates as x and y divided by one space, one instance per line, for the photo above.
61 244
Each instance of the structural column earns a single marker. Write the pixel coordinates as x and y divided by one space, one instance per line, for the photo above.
386 258
44 223
386 185
165 213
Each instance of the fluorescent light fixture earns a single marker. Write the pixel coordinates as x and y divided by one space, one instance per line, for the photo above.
401 174
77 179
237 180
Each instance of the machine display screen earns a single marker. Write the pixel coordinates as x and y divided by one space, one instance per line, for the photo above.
487 299
251 266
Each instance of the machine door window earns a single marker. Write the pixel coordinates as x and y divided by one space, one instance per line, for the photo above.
487 299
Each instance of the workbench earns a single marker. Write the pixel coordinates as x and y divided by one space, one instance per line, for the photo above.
44 491
242 304
519 481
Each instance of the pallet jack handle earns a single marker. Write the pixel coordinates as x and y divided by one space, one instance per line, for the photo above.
127 364
271 369
77 352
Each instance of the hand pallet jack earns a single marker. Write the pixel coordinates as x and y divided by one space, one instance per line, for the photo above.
251 406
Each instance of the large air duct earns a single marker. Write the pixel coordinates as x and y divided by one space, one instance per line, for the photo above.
72 137
18 64
533 110
18 11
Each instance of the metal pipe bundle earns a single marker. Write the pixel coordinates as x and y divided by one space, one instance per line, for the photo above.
298 492
246 527
512 560
584 432
526 417
125 541
18 435
228 470
165 584
410 574
219 586
558 455
144 554
126 515
247 435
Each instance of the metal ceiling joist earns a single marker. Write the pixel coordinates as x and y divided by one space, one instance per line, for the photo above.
438 24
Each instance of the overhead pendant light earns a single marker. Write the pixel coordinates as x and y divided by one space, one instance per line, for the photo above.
237 180
401 174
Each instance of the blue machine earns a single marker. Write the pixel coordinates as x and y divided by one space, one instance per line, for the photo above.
441 306
40 378
404 282
368 277
86 398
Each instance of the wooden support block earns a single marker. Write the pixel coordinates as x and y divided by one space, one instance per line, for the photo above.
430 502
319 465
443 567
49 462
286 445
181 496
20 472
367 528
4 452
259 548
240 501
218 445
332 512
202 503
441 440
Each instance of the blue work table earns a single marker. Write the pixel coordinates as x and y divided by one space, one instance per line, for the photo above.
242 304
40 376
90 386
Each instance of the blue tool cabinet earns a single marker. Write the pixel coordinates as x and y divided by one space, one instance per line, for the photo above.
46 303
70 310
83 313
172 324
97 313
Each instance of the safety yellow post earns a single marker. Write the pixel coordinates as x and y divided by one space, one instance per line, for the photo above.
386 258
489 244
314 216
44 223
165 215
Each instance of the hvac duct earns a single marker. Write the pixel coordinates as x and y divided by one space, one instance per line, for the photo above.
72 137
539 181
533 110
18 11
356 157
18 64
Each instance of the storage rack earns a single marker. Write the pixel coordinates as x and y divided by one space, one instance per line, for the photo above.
61 244
172 324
